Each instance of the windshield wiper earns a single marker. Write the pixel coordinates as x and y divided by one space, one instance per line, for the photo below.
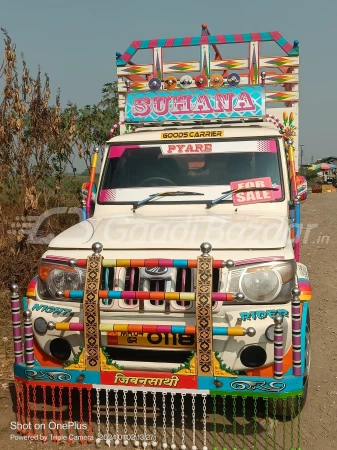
233 191
161 194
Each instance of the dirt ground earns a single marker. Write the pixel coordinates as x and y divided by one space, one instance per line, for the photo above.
319 253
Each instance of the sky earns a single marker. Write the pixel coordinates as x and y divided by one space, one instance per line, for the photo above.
75 42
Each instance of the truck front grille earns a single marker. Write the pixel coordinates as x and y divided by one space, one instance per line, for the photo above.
137 279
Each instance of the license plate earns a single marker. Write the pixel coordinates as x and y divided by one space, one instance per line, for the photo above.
152 340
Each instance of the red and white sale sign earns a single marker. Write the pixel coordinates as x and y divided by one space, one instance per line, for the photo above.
247 197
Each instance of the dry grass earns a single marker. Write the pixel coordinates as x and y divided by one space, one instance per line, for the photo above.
19 259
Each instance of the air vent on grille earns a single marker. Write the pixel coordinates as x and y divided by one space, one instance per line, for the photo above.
108 278
184 284
157 286
176 280
108 283
131 283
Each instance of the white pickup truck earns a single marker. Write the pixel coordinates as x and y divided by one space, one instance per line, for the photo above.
206 162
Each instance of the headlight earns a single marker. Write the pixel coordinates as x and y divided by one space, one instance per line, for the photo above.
58 277
264 282
261 286
61 280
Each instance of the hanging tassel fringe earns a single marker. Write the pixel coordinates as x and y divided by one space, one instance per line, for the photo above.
157 419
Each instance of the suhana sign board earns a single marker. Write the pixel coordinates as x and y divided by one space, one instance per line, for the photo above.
195 104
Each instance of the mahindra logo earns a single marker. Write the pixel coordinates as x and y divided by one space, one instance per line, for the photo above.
156 270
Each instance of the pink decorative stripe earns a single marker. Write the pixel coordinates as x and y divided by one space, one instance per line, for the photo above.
238 38
287 47
58 258
76 326
169 42
126 57
257 260
256 36
164 328
118 150
297 340
266 146
186 40
218 296
107 195
166 262
129 295
18 349
204 39
136 44
153 43
221 39
275 35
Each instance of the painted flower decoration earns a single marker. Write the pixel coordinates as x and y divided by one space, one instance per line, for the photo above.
288 133
288 129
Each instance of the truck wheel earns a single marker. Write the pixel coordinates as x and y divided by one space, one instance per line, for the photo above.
289 402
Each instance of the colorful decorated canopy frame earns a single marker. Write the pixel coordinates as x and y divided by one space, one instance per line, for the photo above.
268 36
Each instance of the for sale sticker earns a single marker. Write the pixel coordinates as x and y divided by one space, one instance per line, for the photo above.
256 194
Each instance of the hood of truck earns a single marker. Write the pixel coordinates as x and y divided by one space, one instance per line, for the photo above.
167 232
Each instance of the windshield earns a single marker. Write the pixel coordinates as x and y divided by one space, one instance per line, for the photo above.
188 164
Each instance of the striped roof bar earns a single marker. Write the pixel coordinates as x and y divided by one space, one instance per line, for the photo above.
189 41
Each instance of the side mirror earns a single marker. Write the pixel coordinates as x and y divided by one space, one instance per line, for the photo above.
302 187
